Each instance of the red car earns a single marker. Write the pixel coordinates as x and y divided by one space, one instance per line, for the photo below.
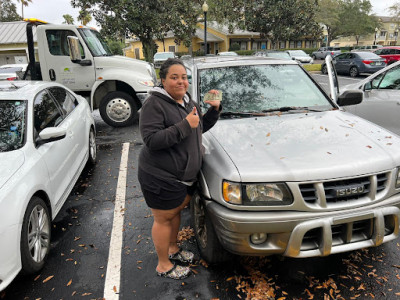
390 54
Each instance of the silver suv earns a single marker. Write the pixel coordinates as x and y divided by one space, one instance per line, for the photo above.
287 171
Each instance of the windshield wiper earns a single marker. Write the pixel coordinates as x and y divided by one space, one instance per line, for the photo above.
289 108
242 114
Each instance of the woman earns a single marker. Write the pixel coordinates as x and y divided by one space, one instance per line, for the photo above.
171 127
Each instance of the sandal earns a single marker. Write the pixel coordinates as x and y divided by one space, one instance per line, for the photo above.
182 256
177 272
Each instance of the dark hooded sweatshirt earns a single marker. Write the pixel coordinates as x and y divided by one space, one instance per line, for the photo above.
173 150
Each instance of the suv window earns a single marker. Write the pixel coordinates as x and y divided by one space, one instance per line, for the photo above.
46 113
65 100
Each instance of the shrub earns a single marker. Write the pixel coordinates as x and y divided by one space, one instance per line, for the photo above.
234 47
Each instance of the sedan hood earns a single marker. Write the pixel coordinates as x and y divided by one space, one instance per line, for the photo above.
301 147
10 163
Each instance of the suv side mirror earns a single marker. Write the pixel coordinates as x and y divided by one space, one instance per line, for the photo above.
351 97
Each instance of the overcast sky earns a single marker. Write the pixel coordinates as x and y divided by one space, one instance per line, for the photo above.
52 11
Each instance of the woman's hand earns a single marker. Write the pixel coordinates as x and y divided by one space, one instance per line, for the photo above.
214 103
193 118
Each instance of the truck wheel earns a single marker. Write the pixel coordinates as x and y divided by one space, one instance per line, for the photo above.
35 236
210 248
353 72
118 109
324 69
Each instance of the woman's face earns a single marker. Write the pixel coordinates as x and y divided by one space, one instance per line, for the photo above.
176 82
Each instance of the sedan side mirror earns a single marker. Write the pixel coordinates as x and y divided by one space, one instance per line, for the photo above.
351 97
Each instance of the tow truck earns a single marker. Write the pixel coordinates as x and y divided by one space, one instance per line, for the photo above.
78 57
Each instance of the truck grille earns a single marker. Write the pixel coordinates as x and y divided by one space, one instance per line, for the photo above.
343 190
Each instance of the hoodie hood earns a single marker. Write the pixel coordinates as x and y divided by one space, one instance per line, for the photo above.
162 91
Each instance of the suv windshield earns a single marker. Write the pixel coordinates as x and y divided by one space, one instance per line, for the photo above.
96 44
12 125
258 88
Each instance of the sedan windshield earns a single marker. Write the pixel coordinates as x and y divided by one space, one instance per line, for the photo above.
12 125
261 88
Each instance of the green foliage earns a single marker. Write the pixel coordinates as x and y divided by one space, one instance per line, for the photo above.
245 52
234 47
115 47
68 19
282 20
312 68
8 11
355 18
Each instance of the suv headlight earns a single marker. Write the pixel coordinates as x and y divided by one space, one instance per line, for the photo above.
398 178
258 194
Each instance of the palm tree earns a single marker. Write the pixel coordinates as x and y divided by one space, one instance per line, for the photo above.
24 3
84 17
68 19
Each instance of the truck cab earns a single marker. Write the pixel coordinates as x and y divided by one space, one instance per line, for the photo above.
117 85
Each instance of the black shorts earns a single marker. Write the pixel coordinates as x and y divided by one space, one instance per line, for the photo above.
163 194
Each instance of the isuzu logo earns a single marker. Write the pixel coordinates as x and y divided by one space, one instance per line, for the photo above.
350 191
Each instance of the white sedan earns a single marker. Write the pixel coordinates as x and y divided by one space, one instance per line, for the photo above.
47 136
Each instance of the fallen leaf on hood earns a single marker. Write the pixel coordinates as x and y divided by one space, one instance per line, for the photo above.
69 282
369 146
86 294
48 278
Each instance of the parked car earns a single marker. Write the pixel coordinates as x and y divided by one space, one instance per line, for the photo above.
273 53
381 104
366 48
391 54
47 135
11 71
160 57
227 53
322 52
300 56
354 63
286 170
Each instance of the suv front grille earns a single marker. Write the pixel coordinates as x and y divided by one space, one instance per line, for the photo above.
343 190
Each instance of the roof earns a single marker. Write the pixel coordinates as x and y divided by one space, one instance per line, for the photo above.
210 37
225 30
14 32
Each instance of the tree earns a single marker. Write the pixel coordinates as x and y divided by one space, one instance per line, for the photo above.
282 20
356 19
24 3
84 17
115 47
68 19
8 11
328 15
395 13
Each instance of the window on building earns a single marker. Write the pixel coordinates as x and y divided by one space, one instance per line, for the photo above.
243 46
282 45
298 44
291 44
171 48
383 34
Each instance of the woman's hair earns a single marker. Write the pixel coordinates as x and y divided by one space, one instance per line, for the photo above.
167 64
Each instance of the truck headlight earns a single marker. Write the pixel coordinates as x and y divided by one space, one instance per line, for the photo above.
257 194
398 178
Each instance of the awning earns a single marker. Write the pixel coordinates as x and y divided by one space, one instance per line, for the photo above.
210 37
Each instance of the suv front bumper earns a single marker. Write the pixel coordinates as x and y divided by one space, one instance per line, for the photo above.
306 234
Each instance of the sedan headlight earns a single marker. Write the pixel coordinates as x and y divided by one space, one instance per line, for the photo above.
398 178
258 194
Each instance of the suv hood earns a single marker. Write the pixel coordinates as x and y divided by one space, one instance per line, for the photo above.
10 163
301 147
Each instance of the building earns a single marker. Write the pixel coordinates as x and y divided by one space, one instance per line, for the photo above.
13 48
385 35
219 39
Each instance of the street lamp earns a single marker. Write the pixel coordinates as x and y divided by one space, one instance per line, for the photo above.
376 32
205 9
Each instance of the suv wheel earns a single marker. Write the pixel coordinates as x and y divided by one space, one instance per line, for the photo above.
210 248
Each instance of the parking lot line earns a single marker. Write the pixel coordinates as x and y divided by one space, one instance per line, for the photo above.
113 275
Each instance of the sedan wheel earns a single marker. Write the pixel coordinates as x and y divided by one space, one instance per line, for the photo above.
92 148
353 72
324 69
35 236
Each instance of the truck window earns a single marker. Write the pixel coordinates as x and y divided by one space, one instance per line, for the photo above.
65 100
95 43
58 43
